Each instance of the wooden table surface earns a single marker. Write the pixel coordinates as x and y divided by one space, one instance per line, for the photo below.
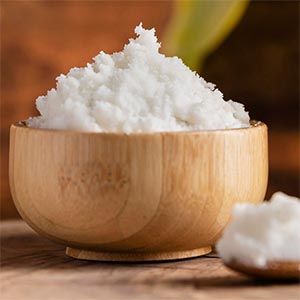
35 268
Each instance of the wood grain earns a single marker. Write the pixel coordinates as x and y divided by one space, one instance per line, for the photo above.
156 195
35 268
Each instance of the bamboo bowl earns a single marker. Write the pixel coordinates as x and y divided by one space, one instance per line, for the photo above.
135 197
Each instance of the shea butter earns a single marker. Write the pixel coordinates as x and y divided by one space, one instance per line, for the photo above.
136 90
263 233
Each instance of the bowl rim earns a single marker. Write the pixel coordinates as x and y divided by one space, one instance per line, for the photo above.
254 124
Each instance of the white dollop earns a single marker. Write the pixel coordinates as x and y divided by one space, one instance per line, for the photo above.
265 232
136 90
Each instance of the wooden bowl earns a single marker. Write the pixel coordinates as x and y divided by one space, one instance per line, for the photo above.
135 197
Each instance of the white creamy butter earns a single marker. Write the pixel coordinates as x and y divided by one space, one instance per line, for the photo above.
136 90
260 233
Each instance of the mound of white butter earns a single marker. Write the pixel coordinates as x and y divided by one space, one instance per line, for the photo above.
136 90
260 233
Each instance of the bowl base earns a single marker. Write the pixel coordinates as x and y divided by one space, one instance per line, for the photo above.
135 256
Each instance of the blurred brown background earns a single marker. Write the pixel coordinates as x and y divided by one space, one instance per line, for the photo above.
258 64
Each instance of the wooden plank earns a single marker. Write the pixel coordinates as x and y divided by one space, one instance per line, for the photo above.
35 268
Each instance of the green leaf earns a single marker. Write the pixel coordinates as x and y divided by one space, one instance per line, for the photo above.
197 27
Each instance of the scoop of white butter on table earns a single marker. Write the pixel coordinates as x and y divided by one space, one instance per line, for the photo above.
263 233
